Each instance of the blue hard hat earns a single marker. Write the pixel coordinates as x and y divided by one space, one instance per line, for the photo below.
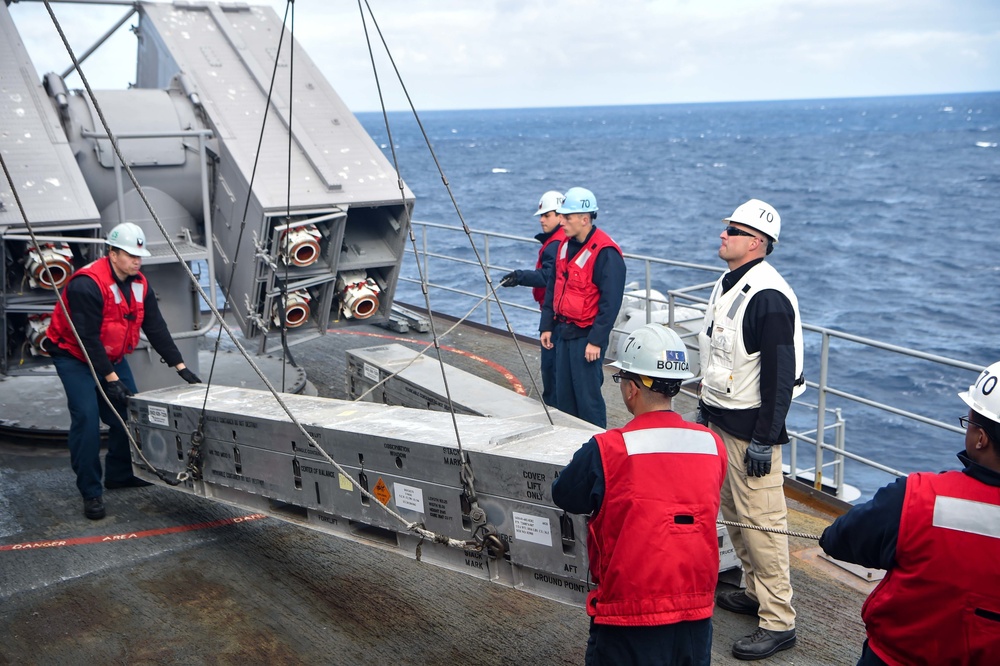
578 200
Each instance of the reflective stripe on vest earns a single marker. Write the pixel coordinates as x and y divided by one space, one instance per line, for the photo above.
668 440
953 513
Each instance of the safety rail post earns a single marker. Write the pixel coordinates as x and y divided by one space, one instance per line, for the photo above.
793 457
649 292
840 443
427 275
486 257
821 411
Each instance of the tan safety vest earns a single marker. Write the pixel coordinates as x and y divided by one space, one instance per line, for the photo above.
730 375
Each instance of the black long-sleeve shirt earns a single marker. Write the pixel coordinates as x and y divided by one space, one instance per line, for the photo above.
868 533
87 307
579 488
609 276
539 277
768 327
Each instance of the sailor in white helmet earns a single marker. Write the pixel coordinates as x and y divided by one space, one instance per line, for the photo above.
108 302
938 537
551 236
751 363
651 489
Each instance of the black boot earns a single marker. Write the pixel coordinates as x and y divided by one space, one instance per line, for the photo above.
762 643
93 508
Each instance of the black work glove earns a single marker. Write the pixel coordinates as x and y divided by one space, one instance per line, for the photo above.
188 376
510 280
117 392
758 459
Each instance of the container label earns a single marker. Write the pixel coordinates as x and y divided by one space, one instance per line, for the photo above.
158 415
408 497
345 483
381 492
532 528
371 372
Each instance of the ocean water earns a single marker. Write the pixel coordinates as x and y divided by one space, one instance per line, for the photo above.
890 209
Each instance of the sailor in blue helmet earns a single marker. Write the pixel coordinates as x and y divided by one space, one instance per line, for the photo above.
550 238
938 537
582 301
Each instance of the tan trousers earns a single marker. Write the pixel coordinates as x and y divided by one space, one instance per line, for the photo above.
759 501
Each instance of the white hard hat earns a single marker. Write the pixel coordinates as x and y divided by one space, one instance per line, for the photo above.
758 215
129 236
984 396
654 350
550 201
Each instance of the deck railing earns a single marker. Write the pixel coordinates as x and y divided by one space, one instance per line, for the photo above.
827 437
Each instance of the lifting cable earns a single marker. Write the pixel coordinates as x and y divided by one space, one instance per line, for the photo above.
470 501
454 202
481 542
283 305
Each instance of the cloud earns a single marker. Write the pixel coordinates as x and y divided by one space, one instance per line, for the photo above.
496 53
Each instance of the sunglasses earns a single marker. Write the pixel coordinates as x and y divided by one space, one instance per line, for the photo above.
733 231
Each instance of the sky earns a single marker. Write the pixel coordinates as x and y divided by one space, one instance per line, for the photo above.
476 54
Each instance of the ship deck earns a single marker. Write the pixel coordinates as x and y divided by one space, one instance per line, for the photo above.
172 578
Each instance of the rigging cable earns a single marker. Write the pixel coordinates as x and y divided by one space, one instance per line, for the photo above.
415 527
470 500
421 352
283 309
454 202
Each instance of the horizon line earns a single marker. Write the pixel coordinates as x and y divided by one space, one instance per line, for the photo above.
688 103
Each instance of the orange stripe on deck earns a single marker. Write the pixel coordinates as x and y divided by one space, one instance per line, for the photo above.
514 382
128 536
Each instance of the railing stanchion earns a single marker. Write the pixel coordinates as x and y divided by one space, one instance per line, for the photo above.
840 443
427 275
821 411
649 292
793 459
486 257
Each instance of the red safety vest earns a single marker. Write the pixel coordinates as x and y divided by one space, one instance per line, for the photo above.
940 604
653 545
122 319
558 236
576 295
